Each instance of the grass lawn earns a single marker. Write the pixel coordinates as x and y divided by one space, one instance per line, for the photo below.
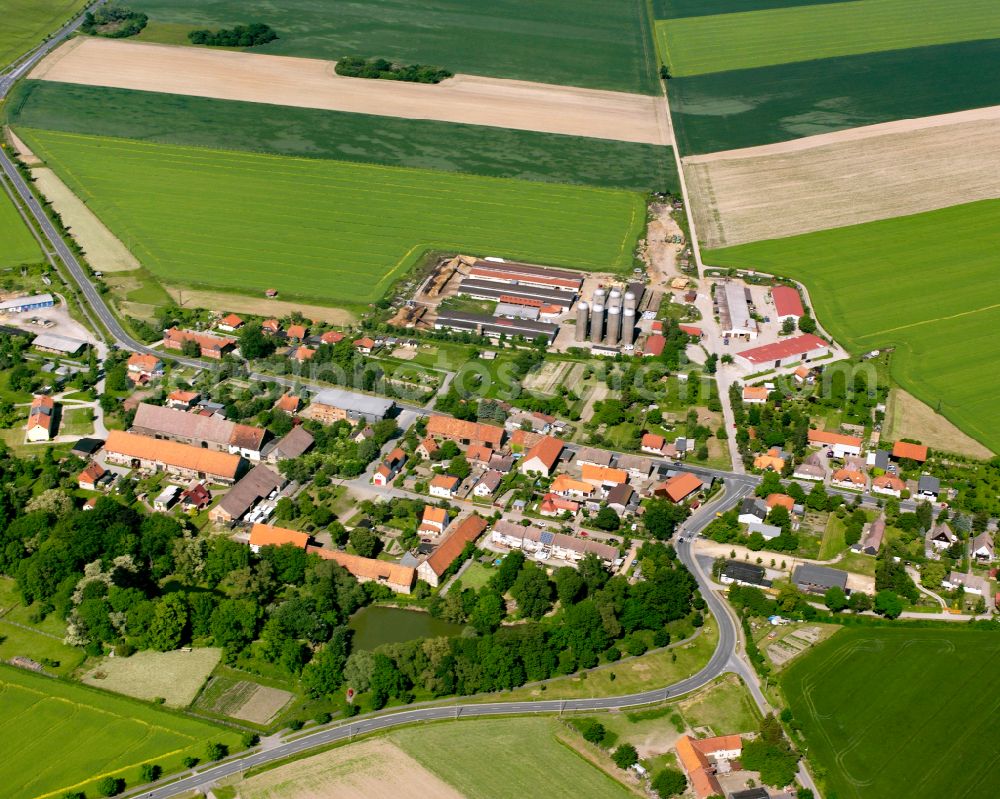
725 706
120 734
833 538
629 676
747 107
919 712
941 321
476 576
17 245
27 22
758 38
506 759
589 43
312 133
77 422
326 230
19 642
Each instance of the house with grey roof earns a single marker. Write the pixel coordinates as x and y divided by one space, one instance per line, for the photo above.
815 579
928 487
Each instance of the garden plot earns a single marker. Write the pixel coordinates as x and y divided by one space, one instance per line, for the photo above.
245 700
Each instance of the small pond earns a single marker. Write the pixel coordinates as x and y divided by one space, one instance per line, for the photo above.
374 626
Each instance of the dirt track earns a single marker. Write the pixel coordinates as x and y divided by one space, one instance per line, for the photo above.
312 83
845 178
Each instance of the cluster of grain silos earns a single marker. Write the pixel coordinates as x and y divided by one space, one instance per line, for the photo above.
611 316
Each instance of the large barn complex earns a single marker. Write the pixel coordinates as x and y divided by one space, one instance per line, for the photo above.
804 348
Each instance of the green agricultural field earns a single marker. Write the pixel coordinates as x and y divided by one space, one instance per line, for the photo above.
743 108
924 284
63 736
326 230
27 22
312 133
886 708
506 759
671 9
591 43
17 245
721 42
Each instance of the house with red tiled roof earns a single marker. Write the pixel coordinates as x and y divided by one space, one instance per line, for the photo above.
270 326
679 487
913 452
755 395
703 758
889 485
387 470
288 403
426 448
182 400
143 368
555 505
839 444
296 332
264 535
41 419
91 477
479 454
364 345
542 457
444 486
302 354
653 444
464 433
230 322
331 337
654 345
209 346
433 521
849 478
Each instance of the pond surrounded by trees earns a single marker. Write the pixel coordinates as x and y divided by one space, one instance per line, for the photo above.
375 625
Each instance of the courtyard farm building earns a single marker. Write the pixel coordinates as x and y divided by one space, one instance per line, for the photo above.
703 758
392 575
544 545
840 445
209 346
209 432
465 532
542 457
334 404
259 483
679 487
180 460
465 433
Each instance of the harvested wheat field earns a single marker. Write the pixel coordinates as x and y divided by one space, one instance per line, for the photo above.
22 149
104 251
174 676
374 769
312 83
910 418
845 178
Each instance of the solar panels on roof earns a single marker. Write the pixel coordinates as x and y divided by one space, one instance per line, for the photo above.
547 538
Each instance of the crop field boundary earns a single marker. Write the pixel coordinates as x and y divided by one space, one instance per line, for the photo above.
312 83
774 36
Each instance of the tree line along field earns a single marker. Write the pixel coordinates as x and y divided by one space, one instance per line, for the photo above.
27 22
588 43
745 108
924 284
886 708
721 42
325 230
313 133
17 245
61 736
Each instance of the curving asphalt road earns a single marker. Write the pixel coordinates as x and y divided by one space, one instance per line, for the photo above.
722 661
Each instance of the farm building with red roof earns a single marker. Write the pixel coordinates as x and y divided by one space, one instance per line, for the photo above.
787 303
806 347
